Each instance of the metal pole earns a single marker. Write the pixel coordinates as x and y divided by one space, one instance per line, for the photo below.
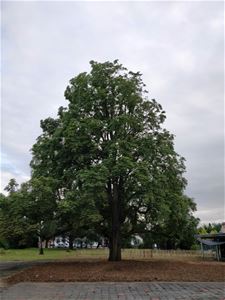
217 253
202 249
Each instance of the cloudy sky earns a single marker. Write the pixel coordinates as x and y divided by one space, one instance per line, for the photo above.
177 46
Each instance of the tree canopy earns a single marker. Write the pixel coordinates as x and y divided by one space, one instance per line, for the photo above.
111 156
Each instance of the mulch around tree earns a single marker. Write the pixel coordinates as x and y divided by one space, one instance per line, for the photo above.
127 270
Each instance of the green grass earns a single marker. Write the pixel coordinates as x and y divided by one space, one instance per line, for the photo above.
63 254
54 254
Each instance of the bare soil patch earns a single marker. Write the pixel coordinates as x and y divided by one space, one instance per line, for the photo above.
127 270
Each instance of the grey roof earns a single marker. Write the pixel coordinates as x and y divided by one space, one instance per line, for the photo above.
209 242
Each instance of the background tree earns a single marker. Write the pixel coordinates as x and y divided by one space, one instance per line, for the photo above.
76 216
177 228
209 228
41 207
15 230
109 146
12 186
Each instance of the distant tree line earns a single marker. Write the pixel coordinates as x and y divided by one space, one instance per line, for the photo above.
31 214
104 166
209 228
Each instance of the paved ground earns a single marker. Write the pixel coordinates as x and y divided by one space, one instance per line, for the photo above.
115 291
8 268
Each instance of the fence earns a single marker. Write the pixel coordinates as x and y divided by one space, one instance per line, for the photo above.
156 253
146 254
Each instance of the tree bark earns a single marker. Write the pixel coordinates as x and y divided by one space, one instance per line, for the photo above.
46 243
71 239
115 236
41 251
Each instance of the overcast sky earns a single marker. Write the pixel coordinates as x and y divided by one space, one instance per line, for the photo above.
177 46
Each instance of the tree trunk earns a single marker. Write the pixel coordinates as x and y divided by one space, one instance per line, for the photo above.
115 236
46 243
71 239
41 251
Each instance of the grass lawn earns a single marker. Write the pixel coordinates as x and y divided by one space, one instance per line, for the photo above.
54 254
64 254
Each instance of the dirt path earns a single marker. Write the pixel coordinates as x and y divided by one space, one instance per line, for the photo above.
100 270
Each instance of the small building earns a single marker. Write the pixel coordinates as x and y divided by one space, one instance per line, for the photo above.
215 241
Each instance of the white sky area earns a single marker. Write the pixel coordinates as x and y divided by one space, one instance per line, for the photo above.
177 46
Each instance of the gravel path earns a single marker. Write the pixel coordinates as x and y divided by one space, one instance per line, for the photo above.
115 291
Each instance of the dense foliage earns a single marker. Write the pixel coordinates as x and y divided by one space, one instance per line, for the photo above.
107 165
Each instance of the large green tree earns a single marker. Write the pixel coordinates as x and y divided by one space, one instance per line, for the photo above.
109 147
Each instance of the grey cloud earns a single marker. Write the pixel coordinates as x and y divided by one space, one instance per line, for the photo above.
178 46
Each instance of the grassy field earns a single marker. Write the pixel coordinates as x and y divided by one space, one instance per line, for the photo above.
63 254
54 254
